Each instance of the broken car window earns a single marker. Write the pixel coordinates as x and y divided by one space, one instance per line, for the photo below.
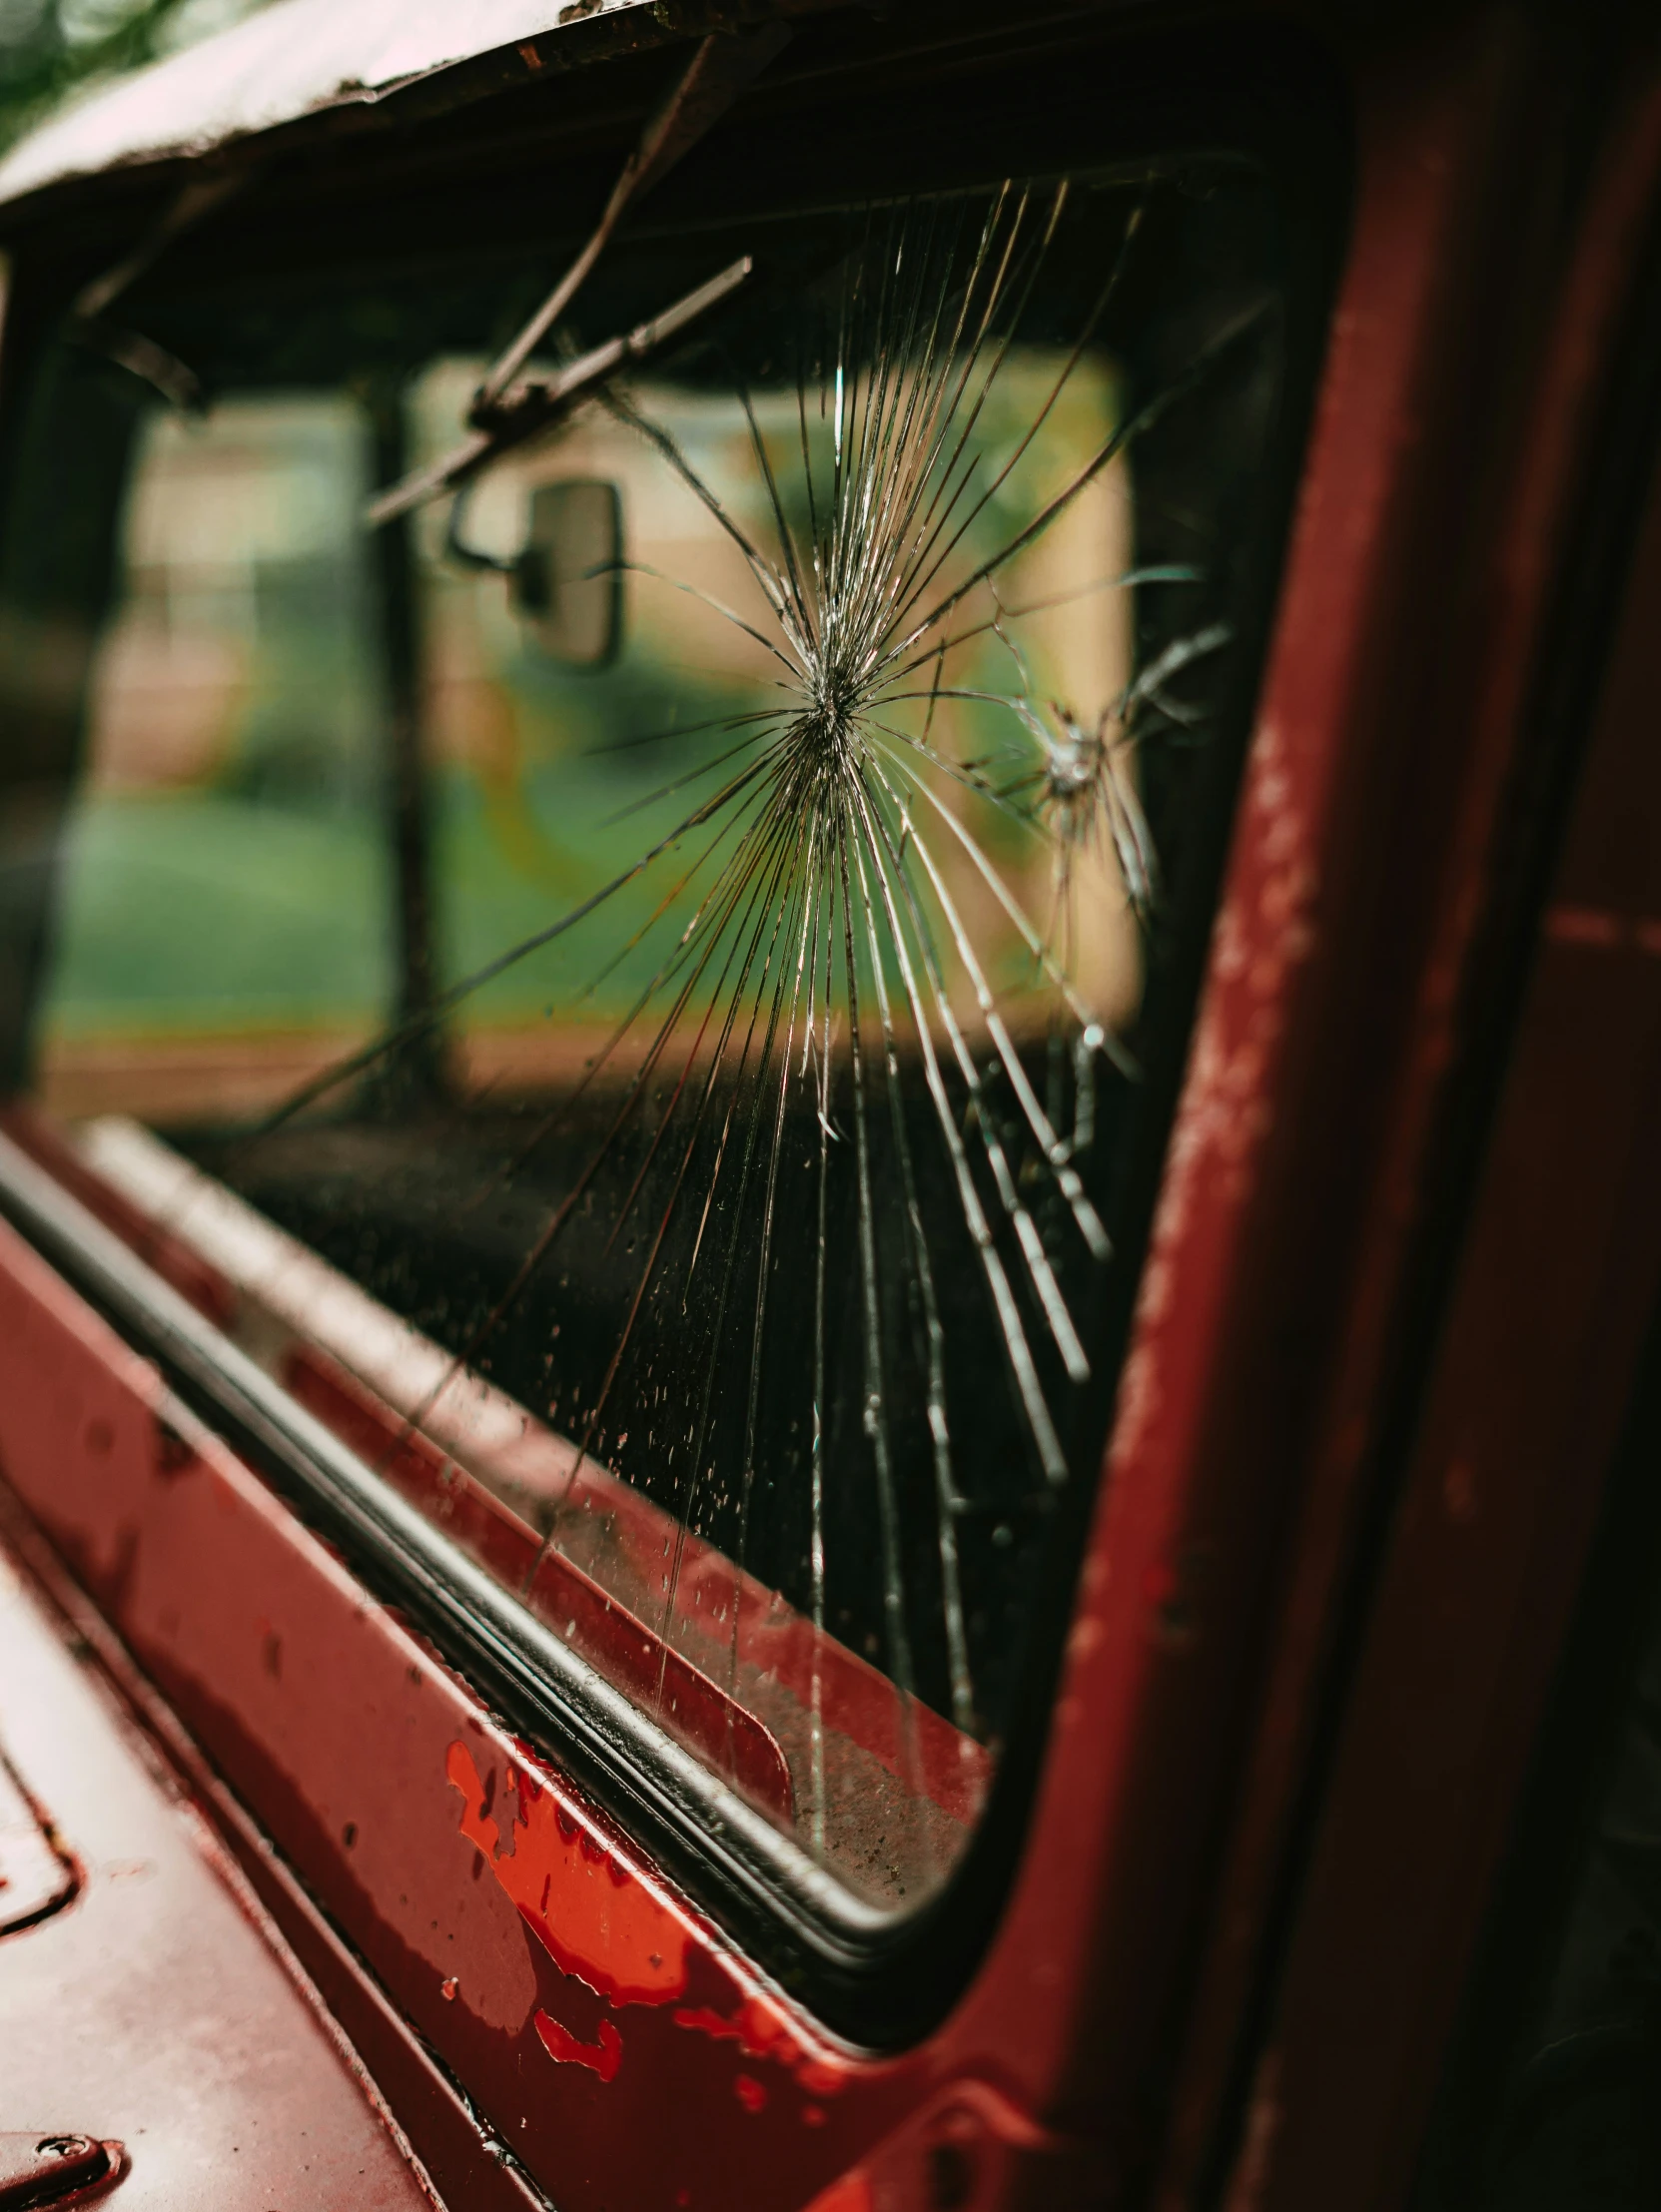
652 980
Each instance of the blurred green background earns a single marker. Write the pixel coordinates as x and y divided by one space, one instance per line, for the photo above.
52 51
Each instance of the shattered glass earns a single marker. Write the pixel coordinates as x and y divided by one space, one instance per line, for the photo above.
727 1250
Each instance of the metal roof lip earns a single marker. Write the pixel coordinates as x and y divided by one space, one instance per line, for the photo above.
293 59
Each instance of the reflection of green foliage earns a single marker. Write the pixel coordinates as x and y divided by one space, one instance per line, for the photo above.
585 797
1018 459
1026 441
264 898
192 910
43 61
306 739
579 810
188 910
643 696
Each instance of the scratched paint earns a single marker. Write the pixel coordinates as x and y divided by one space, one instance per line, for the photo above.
603 2056
761 2029
1264 935
606 1928
591 1915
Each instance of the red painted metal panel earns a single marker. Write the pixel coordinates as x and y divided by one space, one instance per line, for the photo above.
155 2012
1511 595
431 2111
615 1639
1555 1289
522 1939
1250 1272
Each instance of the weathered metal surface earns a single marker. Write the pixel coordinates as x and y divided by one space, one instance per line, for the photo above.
1252 1261
1515 570
296 58
1534 1372
153 2012
462 2160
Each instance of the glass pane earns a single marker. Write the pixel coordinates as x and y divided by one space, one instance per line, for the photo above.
221 925
723 1248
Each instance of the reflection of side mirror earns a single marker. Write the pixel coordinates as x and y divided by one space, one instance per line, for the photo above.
567 586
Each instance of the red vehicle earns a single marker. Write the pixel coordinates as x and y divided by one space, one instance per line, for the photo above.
830 1013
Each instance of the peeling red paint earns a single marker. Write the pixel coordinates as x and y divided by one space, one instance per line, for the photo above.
1263 934
761 2031
596 1920
606 1928
603 2058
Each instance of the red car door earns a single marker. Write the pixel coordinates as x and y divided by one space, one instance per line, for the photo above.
764 1052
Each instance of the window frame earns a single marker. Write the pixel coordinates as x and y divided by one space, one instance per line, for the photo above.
1495 1575
884 1978
1070 2002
